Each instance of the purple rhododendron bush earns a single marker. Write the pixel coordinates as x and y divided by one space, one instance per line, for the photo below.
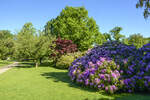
114 67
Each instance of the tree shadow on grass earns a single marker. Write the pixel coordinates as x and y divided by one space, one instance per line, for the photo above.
126 96
134 96
63 77
25 65
99 99
32 64
46 64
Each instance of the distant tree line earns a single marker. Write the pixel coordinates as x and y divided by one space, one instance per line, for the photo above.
74 28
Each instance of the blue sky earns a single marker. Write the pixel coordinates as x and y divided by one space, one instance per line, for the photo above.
107 13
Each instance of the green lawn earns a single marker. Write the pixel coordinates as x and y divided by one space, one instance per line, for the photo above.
5 62
47 83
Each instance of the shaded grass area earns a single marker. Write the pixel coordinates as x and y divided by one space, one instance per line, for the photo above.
46 83
5 62
32 64
136 96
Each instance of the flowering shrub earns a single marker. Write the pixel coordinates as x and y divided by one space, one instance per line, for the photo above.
134 70
140 80
102 75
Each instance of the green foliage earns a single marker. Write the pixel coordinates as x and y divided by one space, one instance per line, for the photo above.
24 42
137 40
125 41
4 34
41 47
28 28
6 44
146 5
5 63
44 83
32 45
65 60
74 24
107 36
115 33
147 40
48 83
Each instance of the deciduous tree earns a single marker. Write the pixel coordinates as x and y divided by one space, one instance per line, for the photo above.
24 42
137 39
146 5
62 47
41 47
74 24
115 33
31 44
6 44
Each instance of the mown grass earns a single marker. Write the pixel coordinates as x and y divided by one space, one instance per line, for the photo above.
5 62
46 83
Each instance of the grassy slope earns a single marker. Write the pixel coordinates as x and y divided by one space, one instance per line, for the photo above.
4 63
46 83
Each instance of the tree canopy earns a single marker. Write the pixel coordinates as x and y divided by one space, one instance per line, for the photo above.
31 44
115 33
74 24
146 5
137 40
24 42
6 44
41 47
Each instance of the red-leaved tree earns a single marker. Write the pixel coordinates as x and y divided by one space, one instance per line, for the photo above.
63 47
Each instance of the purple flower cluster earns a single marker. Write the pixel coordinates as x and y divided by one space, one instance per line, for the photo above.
114 66
137 71
103 75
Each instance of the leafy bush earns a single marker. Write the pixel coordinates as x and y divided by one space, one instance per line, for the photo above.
65 60
134 66
102 75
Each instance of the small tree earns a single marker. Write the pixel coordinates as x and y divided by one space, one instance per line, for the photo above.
24 42
32 45
115 33
62 47
41 48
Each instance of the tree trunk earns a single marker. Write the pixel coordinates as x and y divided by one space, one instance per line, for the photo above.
55 61
40 60
36 66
